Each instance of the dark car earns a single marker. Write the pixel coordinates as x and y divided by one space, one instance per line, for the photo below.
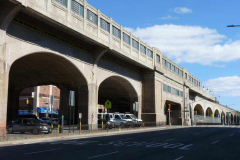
31 125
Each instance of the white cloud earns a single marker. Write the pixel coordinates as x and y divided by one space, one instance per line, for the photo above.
168 17
181 10
225 86
191 44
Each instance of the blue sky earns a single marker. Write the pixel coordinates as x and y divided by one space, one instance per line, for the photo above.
191 33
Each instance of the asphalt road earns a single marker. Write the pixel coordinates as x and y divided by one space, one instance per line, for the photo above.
171 144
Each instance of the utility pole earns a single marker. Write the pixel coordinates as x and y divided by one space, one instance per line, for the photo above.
169 109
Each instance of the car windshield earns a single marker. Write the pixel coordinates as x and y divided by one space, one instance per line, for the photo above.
127 117
132 116
33 121
122 116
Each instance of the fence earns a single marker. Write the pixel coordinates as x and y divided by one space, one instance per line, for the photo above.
73 130
206 119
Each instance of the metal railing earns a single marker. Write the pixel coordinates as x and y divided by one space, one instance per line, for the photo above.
206 119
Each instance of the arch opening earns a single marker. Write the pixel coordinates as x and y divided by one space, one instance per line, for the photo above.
119 92
209 112
216 113
198 110
44 69
175 113
223 117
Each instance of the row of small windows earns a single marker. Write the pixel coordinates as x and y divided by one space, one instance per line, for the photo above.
93 18
171 67
194 81
172 90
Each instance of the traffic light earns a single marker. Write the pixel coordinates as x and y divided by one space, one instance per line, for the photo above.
27 101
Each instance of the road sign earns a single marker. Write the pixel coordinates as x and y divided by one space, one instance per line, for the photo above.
72 98
108 104
137 106
80 115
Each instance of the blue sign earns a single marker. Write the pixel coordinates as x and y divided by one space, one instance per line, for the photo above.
46 110
25 112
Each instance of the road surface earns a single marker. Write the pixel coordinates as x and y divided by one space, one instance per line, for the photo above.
198 143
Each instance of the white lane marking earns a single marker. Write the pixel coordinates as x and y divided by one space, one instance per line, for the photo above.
214 142
179 158
231 135
103 155
195 133
171 139
124 139
185 147
43 151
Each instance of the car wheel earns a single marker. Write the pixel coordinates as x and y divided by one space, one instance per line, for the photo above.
35 131
122 125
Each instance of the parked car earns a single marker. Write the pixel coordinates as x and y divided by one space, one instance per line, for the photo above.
137 122
31 125
48 120
118 120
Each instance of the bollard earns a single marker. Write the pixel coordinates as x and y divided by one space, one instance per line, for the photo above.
92 126
102 125
58 128
80 129
52 128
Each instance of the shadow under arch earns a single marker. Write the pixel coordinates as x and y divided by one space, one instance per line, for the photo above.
209 112
198 110
216 113
45 68
120 92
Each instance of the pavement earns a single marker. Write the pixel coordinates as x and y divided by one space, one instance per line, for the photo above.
174 143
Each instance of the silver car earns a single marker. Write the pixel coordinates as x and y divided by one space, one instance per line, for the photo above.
119 121
137 122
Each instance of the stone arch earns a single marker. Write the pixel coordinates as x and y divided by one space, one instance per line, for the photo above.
208 112
231 119
223 117
44 68
235 119
216 113
119 91
198 110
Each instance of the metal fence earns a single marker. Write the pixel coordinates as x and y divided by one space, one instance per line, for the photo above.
206 119
73 130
